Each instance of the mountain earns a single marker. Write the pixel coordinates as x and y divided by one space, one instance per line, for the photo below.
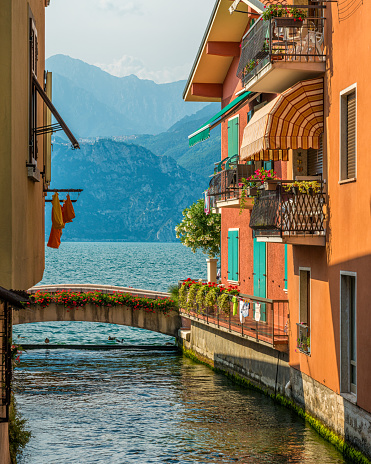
201 157
97 104
130 194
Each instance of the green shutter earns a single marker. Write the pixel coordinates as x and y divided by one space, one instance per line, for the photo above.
268 165
233 255
233 133
260 274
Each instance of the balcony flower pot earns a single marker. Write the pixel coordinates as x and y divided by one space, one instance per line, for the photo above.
295 190
277 57
288 22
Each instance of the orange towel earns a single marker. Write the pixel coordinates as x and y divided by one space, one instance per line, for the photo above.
55 238
57 217
67 210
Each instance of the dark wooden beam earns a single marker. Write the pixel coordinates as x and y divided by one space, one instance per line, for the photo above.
223 48
207 90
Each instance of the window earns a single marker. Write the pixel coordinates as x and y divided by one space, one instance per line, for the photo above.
303 327
315 160
33 56
348 333
348 133
233 264
233 136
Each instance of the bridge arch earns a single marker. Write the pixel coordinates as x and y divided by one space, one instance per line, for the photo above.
167 324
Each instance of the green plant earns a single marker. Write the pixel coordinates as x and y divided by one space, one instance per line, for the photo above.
183 293
191 303
211 297
200 297
19 436
199 230
303 186
278 11
251 65
224 302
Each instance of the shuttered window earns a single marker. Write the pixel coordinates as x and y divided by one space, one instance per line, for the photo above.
351 135
233 274
33 58
348 149
315 160
233 133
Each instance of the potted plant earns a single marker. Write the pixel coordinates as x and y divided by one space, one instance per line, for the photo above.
251 184
284 16
306 187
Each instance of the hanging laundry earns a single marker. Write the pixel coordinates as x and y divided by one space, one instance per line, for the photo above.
57 223
207 202
54 238
241 304
67 210
57 216
235 305
244 310
257 312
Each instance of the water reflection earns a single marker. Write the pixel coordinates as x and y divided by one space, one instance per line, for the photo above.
134 407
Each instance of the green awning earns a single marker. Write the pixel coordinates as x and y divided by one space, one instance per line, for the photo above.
203 132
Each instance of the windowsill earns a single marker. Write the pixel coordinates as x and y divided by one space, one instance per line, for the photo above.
351 397
233 282
347 181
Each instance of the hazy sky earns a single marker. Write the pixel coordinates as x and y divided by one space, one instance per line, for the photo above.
154 39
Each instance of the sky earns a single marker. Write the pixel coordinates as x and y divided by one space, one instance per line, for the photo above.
153 39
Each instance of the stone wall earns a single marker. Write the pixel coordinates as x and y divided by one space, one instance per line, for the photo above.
155 321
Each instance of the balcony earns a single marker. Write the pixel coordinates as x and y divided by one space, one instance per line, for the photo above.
279 52
283 214
270 328
226 186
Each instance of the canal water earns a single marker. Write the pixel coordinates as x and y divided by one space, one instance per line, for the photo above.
125 407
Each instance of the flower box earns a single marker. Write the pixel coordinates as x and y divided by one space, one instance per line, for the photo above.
288 22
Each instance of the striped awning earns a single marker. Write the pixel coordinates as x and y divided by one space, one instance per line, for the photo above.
292 120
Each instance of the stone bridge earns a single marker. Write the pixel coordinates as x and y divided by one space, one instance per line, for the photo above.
168 324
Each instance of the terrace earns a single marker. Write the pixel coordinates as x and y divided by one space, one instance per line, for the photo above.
278 52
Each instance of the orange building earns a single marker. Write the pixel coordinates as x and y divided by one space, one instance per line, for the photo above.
294 98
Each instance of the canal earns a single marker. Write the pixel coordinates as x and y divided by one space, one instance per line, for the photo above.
152 407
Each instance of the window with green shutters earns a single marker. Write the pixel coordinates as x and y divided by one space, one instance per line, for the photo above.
233 133
233 265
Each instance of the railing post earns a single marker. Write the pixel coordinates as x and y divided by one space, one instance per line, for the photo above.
218 317
229 317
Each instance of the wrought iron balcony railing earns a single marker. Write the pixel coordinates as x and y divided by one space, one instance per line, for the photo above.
282 39
226 185
287 213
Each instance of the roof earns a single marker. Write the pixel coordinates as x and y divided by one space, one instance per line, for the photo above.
12 297
222 27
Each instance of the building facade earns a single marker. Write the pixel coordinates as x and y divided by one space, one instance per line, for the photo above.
300 107
25 160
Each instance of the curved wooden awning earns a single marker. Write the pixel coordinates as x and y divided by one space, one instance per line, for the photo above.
294 119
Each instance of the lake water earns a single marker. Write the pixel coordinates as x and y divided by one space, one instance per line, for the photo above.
140 407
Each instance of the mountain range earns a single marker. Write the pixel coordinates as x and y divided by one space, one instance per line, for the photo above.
137 178
97 104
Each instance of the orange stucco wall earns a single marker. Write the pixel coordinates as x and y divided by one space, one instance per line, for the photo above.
348 245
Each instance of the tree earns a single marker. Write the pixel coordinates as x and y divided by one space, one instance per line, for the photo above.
199 230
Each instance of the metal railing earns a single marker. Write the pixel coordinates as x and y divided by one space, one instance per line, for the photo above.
271 328
227 185
281 39
303 338
286 213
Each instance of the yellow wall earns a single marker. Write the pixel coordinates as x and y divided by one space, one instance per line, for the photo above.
22 202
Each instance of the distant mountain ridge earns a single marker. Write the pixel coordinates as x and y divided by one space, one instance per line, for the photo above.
95 103
129 194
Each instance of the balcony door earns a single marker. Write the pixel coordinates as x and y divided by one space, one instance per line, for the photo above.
260 274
